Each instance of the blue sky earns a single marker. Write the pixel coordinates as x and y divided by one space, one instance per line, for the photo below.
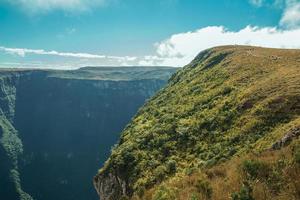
75 33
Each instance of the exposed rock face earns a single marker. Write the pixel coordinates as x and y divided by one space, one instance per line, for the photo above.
57 127
286 139
110 187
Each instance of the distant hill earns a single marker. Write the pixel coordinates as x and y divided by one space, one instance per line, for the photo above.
226 126
116 73
102 73
57 126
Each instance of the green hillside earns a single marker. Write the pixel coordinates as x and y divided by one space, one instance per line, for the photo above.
211 133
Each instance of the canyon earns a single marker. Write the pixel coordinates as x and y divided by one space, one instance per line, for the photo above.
58 126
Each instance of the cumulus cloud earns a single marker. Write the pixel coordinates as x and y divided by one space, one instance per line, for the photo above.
290 18
291 15
181 48
40 6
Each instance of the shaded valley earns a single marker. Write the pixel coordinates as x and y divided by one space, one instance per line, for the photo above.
58 126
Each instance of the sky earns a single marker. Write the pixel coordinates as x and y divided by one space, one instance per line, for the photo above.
67 34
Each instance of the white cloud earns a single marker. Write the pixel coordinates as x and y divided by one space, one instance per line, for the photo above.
275 4
41 6
291 15
37 65
178 49
290 18
23 51
181 48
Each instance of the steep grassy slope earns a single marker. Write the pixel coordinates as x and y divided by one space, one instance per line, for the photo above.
57 127
228 103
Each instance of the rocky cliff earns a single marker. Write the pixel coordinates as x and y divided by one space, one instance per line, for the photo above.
57 127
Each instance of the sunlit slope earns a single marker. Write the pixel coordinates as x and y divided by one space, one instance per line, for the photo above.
227 102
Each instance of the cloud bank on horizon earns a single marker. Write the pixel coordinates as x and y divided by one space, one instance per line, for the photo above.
183 47
179 49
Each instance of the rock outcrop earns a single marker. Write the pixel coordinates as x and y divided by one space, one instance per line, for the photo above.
286 139
110 186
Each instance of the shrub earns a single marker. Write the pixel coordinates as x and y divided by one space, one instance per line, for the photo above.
160 173
204 188
245 193
140 191
189 170
255 169
171 166
258 170
226 90
211 162
194 197
297 155
164 193
124 198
